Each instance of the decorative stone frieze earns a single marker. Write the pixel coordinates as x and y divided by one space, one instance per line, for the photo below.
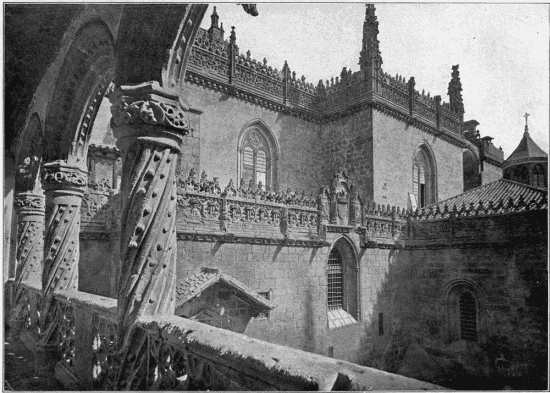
232 238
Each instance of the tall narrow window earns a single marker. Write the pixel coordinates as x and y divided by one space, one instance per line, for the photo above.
335 296
424 177
256 159
341 285
468 317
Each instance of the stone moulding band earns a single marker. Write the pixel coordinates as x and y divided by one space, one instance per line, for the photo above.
231 238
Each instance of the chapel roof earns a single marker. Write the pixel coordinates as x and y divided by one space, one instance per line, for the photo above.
499 190
194 285
526 151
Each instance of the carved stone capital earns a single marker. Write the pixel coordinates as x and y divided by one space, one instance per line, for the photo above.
64 177
29 203
149 113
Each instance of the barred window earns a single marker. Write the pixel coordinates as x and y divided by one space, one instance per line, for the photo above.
468 317
335 294
342 291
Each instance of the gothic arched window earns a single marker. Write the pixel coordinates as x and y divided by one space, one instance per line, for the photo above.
341 285
424 177
256 159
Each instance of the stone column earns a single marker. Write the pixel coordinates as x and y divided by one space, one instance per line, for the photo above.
64 186
149 123
30 237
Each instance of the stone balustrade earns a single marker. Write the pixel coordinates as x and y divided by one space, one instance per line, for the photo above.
185 354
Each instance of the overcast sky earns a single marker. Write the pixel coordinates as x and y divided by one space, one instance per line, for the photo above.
502 50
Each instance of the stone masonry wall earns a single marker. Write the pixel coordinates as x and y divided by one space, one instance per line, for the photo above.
221 123
394 145
490 173
510 281
347 143
296 278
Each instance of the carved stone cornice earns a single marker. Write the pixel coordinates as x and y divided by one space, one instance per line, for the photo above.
232 238
27 203
59 175
149 112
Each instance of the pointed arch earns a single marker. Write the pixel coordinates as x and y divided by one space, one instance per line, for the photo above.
342 284
424 175
258 155
85 75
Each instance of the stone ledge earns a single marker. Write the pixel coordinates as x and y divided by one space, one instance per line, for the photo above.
88 301
281 367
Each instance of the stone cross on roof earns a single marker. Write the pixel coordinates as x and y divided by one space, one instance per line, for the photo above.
526 117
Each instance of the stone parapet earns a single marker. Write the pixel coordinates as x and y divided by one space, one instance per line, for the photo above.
218 65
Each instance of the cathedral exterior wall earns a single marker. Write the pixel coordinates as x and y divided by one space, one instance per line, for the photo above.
297 281
394 144
490 173
347 143
221 123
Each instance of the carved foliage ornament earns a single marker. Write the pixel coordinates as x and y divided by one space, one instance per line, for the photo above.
64 177
127 111
25 201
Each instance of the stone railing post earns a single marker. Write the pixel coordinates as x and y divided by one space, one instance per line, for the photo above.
64 186
149 123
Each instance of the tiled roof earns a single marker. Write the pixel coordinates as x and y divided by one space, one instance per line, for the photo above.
526 150
195 284
494 192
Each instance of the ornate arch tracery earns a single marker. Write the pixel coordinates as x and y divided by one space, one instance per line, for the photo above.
258 155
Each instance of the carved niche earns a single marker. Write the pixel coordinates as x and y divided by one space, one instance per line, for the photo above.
340 198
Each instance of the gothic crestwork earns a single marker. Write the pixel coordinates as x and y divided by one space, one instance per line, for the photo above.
149 123
64 186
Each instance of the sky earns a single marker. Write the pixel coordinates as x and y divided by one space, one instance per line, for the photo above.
502 51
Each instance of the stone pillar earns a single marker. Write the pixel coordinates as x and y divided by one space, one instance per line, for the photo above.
30 237
64 186
149 123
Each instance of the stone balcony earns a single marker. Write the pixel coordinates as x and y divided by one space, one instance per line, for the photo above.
181 354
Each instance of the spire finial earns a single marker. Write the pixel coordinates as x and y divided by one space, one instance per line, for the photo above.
214 18
526 118
454 92
370 55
